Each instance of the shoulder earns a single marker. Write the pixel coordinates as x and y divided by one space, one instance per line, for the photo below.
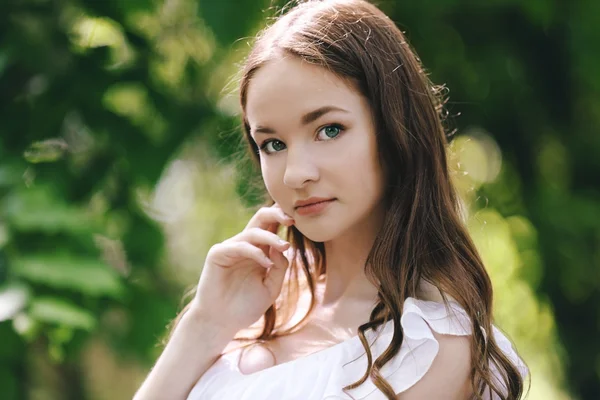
448 377
434 359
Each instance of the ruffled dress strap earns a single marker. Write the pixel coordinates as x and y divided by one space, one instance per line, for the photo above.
420 319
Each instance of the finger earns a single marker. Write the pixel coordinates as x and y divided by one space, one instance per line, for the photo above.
262 239
288 220
274 279
229 253
269 218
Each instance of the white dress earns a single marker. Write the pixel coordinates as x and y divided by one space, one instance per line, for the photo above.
323 374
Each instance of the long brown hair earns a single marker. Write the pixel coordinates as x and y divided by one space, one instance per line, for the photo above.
423 236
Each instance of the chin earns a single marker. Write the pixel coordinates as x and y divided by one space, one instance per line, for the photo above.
317 233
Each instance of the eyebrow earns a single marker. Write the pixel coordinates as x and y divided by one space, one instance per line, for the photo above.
306 119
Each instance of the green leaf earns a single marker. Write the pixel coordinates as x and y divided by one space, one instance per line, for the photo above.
11 174
86 275
50 150
231 20
58 311
9 382
38 208
144 241
11 346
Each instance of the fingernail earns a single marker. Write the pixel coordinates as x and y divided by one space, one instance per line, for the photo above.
283 243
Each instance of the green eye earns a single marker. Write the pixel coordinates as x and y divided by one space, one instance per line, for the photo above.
273 146
330 131
277 145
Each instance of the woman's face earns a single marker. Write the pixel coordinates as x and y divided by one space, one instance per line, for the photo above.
317 139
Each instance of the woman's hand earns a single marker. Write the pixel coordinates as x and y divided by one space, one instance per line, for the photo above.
243 275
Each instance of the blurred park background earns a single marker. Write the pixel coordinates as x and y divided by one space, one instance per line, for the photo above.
118 143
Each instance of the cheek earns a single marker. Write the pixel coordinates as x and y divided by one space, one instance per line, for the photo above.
366 167
271 178
361 154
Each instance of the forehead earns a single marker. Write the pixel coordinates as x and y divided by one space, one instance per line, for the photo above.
288 87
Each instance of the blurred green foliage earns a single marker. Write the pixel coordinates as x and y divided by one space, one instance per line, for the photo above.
117 128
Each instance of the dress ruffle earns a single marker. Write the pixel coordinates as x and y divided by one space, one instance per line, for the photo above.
324 374
417 352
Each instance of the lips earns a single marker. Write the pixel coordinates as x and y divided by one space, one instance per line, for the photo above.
314 208
311 201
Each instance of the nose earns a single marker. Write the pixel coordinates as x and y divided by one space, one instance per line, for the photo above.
300 168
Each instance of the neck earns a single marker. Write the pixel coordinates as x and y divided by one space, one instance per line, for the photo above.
345 280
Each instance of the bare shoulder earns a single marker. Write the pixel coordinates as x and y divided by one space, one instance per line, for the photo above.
449 375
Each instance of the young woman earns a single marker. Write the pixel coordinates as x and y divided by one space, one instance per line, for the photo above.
379 293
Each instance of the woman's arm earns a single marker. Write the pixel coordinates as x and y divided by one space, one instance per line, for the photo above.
448 378
195 345
241 278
